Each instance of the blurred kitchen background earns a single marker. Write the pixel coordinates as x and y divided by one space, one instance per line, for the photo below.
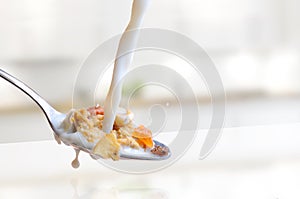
255 46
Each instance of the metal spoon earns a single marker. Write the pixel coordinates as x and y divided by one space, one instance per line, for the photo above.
55 119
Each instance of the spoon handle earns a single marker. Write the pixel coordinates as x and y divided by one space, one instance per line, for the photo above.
48 110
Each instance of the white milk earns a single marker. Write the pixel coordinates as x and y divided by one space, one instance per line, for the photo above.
127 42
66 132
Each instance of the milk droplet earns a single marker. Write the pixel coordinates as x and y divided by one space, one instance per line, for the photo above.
75 162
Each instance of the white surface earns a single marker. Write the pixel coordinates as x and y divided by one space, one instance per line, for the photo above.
251 162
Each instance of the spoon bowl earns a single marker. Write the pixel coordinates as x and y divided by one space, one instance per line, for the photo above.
55 119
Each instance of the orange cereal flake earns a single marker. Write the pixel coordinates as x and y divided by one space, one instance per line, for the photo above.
143 136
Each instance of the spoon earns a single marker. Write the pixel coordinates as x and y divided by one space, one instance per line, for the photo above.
55 119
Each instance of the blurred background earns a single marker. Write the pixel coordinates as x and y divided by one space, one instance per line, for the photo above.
255 46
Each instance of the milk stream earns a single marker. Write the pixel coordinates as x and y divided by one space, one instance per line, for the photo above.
122 62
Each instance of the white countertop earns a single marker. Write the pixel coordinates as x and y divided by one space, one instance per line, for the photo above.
248 162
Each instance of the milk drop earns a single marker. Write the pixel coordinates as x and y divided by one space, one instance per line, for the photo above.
75 162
